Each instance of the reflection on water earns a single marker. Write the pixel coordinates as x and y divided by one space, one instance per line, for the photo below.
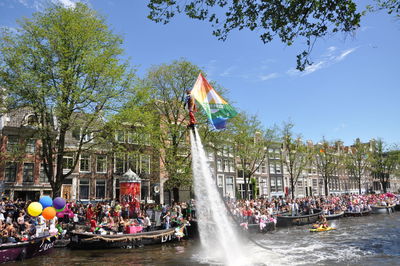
371 240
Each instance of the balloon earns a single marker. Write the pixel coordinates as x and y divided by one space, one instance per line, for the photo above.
60 210
49 213
58 203
46 201
35 209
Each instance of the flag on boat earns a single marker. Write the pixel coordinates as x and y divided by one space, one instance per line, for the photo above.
216 108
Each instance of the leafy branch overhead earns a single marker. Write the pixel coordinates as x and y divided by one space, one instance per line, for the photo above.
287 20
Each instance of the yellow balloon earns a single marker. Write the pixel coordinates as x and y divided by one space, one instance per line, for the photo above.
35 209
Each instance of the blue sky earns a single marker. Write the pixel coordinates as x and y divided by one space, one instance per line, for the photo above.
352 89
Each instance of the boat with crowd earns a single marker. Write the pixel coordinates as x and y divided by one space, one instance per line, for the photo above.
26 249
287 219
357 213
88 240
383 209
335 216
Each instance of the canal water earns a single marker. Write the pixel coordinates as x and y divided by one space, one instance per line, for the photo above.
371 240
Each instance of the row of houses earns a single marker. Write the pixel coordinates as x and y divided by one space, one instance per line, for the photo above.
97 173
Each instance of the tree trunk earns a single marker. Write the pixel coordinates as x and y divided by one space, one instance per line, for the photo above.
384 184
56 187
175 192
359 186
245 187
292 186
326 187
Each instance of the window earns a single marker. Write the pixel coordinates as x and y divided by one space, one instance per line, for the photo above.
101 163
100 189
11 172
229 186
133 162
263 168
28 172
145 164
220 180
300 183
12 143
219 165
279 184
131 138
68 161
85 163
231 166
271 169
278 168
30 146
226 166
120 136
42 175
315 183
273 185
83 189
120 164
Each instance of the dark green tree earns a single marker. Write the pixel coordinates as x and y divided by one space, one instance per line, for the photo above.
295 155
251 143
327 157
356 161
384 160
64 65
288 19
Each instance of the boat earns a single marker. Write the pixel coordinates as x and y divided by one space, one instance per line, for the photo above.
286 219
255 228
26 249
85 240
397 207
322 229
383 209
334 216
357 214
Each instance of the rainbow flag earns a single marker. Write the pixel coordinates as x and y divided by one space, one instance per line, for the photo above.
216 108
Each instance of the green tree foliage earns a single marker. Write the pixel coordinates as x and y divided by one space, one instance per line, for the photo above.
327 159
295 156
165 117
288 20
64 64
356 161
384 160
251 142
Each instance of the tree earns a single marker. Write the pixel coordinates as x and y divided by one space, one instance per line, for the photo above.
251 143
356 161
295 155
383 162
327 159
288 19
167 85
64 65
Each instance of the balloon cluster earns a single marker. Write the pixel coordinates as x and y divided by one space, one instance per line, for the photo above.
47 207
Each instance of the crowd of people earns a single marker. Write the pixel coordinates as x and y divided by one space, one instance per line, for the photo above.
112 217
107 217
263 211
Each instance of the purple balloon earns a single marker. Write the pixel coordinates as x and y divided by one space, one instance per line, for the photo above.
58 203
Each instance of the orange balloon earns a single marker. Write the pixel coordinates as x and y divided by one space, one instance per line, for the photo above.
49 213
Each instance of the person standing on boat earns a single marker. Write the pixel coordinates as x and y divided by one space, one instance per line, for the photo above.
167 220
146 223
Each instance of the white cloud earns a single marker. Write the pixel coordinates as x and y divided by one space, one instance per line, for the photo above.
340 127
228 72
269 76
40 4
330 57
345 53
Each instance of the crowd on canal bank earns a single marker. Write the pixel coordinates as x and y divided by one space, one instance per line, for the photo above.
112 217
106 217
265 210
